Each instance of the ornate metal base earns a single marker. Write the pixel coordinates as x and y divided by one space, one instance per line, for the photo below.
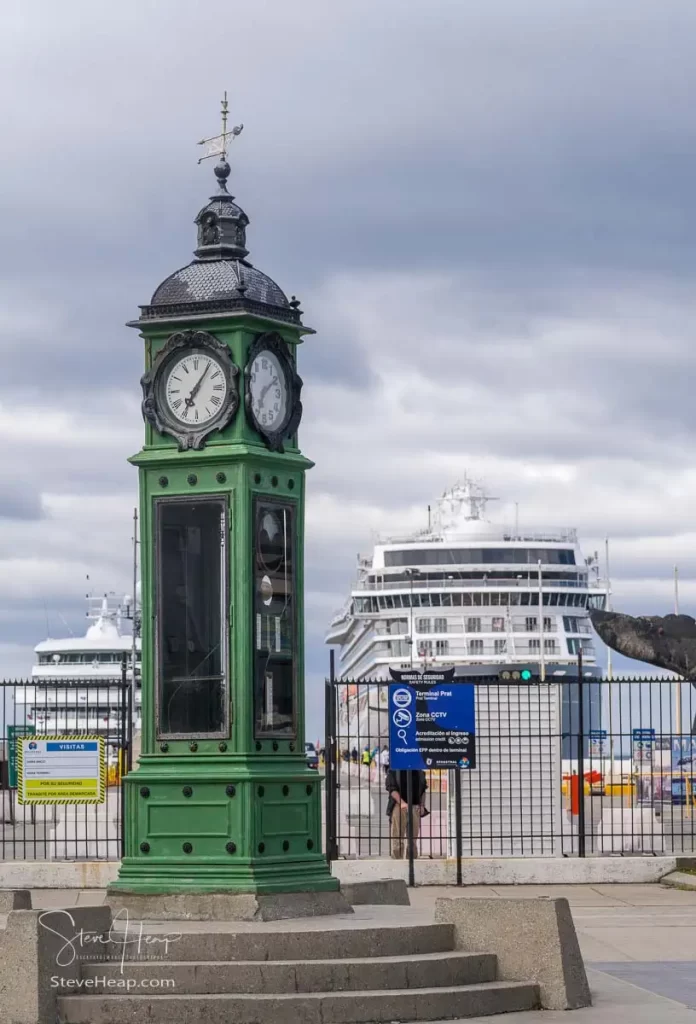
194 825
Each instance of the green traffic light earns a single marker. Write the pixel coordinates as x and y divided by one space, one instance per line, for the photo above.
525 674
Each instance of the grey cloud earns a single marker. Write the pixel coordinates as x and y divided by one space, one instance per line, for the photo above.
19 499
526 170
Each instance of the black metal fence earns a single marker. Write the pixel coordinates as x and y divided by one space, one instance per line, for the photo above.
572 766
69 708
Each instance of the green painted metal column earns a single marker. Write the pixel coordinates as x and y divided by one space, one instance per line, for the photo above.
222 799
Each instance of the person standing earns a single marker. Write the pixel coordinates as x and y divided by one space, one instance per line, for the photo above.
399 810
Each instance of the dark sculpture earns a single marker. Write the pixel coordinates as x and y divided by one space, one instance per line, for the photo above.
668 641
210 233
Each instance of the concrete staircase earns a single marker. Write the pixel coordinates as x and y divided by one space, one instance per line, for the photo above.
296 976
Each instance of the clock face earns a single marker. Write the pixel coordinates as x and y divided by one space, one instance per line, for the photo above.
195 389
268 389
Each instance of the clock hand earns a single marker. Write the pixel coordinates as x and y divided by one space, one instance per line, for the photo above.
197 387
266 389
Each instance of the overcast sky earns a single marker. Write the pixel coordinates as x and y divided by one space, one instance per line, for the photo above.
486 208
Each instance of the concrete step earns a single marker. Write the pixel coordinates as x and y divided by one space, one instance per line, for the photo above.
432 1004
291 944
427 970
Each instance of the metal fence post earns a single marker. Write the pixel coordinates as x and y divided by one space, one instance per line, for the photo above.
330 763
458 820
328 772
581 759
409 828
123 747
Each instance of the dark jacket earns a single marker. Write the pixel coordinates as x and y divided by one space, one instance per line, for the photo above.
396 780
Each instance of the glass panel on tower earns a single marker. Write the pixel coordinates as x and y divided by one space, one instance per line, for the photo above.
191 587
274 618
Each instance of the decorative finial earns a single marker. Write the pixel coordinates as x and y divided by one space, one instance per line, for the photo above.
217 145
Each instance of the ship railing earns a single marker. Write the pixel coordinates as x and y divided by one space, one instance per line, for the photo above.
527 581
455 648
523 628
551 535
343 614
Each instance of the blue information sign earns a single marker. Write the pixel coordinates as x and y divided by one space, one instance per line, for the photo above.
432 721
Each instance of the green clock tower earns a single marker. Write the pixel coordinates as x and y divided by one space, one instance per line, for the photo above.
222 800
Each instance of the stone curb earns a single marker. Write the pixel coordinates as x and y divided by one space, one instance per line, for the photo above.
679 880
14 899
533 939
383 892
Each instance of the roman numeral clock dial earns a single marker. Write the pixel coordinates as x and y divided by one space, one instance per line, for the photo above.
191 389
195 389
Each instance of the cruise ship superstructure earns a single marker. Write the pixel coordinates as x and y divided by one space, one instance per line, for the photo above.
466 592
97 657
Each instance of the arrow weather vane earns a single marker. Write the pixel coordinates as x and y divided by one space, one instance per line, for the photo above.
217 145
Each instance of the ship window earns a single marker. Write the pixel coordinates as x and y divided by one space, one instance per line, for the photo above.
531 623
473 625
425 647
498 624
191 588
446 600
466 598
442 646
550 646
440 626
476 647
500 646
514 599
478 556
422 625
548 625
456 600
534 645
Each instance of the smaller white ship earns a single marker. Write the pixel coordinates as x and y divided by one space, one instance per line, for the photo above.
97 657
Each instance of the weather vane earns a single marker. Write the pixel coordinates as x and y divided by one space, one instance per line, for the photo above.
217 144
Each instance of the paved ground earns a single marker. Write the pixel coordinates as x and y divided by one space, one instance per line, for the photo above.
639 944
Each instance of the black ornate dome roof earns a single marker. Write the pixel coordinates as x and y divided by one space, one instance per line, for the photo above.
220 278
210 280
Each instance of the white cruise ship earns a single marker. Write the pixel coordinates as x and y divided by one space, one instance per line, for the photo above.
98 656
466 592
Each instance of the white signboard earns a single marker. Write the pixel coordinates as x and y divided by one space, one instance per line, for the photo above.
61 770
598 743
643 748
